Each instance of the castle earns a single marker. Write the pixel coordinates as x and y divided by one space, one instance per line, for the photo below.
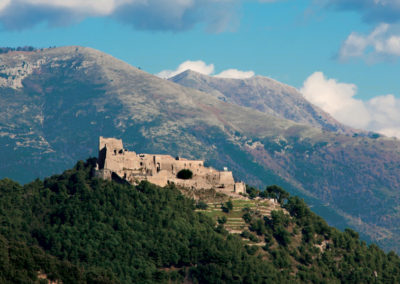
115 161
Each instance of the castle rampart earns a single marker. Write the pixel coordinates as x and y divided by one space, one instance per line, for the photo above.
160 169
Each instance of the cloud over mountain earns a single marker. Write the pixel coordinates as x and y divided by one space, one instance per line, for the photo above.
378 114
141 14
235 74
198 66
202 67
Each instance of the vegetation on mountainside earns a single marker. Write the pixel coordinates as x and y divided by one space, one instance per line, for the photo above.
295 239
20 263
20 48
120 233
80 92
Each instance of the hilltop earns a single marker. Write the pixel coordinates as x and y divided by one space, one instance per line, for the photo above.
54 103
106 232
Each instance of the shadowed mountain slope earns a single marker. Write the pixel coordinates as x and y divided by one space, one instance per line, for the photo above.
55 103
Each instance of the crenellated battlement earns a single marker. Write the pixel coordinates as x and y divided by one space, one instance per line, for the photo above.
160 169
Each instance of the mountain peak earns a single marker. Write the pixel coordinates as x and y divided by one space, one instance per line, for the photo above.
67 97
189 73
263 94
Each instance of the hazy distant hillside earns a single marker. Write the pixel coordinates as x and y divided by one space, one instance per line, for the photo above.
263 94
55 103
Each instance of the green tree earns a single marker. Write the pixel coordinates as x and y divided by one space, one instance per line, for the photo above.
201 205
252 191
276 192
228 206
222 220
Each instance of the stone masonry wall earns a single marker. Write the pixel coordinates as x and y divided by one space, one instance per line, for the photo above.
160 169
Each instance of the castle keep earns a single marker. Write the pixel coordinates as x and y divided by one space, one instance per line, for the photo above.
160 169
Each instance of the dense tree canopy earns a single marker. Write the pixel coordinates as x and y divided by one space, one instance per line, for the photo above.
103 232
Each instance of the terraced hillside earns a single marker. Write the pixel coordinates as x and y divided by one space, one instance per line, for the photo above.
234 218
76 228
55 103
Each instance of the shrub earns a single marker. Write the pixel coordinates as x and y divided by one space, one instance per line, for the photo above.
251 249
282 236
201 205
254 238
227 207
185 174
222 220
245 234
247 217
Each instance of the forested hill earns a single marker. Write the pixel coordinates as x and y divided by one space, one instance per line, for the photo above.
105 232
56 102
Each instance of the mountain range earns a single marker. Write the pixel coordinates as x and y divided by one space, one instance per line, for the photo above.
262 94
54 103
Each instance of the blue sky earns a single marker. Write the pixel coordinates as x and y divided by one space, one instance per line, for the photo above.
354 41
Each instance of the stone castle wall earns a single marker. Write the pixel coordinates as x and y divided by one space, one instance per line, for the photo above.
160 169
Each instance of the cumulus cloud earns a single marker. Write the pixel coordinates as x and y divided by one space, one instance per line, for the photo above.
336 99
206 69
141 14
380 114
198 66
372 10
382 43
235 74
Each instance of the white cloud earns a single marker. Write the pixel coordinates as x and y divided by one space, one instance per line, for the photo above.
198 66
380 114
142 14
385 115
382 42
235 74
206 69
336 99
94 7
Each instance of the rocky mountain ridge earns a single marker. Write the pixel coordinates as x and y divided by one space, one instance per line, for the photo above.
77 94
265 95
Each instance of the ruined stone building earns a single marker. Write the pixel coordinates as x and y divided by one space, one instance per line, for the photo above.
114 160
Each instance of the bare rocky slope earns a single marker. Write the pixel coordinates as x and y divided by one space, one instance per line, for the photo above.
54 103
265 95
